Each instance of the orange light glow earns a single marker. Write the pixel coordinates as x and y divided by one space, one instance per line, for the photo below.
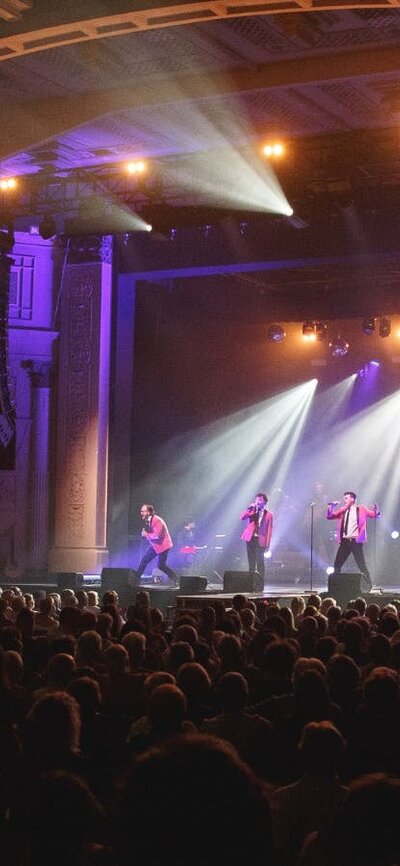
274 150
137 166
7 184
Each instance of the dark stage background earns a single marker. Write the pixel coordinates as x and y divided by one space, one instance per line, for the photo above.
206 378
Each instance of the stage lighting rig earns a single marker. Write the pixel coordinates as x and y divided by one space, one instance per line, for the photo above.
339 347
275 334
7 184
136 167
385 327
320 330
297 222
368 325
308 331
274 150
48 227
7 238
369 366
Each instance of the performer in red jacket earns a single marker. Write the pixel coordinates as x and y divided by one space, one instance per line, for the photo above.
258 532
156 533
352 531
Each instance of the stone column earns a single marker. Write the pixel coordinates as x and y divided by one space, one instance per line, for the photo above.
121 430
39 373
83 410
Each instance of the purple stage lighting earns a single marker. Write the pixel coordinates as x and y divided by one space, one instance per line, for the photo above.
276 334
368 368
339 347
368 325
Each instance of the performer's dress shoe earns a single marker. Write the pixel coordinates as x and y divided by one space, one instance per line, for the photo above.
365 583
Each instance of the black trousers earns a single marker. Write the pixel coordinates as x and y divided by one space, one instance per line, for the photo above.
162 563
346 547
255 556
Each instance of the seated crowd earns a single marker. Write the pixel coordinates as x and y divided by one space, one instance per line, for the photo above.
229 734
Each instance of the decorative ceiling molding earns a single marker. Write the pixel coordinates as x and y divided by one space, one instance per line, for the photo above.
52 116
12 9
122 23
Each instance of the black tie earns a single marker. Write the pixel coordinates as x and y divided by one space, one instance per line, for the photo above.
346 522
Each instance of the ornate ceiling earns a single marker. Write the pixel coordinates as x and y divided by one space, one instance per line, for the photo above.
162 81
86 86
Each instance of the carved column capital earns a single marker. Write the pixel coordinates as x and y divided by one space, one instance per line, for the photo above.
39 373
90 248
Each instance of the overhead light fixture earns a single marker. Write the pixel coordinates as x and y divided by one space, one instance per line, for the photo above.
339 347
320 330
297 222
7 184
385 327
308 331
344 200
7 238
368 368
48 227
136 166
274 150
275 334
368 325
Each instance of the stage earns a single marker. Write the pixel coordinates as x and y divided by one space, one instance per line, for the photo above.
167 598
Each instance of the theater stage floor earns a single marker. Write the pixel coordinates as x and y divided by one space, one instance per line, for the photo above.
168 598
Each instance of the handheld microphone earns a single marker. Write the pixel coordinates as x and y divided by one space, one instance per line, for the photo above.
333 503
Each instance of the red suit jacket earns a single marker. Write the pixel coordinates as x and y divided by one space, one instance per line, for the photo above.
362 513
158 535
264 529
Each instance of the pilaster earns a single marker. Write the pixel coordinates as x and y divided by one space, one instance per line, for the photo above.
83 413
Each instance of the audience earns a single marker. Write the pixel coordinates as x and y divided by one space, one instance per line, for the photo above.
312 802
210 807
197 714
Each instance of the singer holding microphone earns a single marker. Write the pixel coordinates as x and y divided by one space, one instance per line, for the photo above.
258 532
159 542
352 531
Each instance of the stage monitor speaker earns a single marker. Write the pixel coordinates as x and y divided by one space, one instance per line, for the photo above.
345 586
242 581
69 579
120 579
191 584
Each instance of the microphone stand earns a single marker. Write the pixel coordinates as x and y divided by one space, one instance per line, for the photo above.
374 554
311 545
